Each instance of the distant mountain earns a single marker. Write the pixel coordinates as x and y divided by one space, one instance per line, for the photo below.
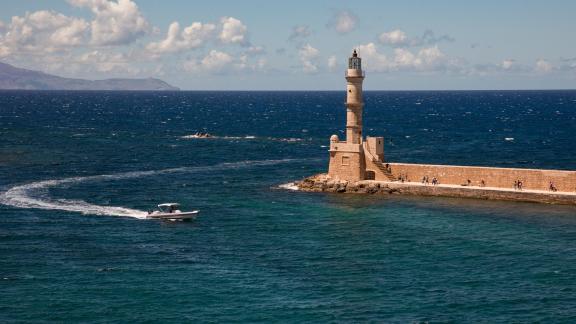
15 78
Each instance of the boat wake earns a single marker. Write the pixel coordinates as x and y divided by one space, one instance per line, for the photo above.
35 194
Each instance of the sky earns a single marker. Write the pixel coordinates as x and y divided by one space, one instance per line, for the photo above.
297 45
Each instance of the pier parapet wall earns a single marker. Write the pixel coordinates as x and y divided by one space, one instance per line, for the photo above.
532 179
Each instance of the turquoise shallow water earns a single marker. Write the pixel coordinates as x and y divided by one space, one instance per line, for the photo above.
78 169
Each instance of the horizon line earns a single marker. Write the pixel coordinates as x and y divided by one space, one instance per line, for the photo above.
293 90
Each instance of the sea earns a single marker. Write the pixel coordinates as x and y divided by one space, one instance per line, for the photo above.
79 171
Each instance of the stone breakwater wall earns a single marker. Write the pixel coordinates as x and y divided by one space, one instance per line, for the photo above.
532 179
322 183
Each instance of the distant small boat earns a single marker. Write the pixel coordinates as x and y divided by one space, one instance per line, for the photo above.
199 135
171 211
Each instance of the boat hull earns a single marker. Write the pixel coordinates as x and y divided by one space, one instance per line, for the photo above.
174 216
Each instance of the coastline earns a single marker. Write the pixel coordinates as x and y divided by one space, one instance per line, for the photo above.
324 183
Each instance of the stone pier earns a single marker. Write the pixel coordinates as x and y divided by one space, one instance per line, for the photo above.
324 183
358 165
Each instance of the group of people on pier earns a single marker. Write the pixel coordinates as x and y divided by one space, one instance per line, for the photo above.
403 178
426 180
518 184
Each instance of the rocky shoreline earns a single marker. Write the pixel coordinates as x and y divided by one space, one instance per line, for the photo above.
323 183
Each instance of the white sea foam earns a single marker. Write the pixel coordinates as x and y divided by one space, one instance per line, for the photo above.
289 186
35 194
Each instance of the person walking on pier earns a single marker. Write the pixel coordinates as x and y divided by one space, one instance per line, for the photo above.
552 187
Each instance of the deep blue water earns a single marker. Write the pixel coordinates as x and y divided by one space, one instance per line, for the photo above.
78 168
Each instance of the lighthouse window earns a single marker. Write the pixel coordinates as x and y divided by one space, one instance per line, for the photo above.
345 160
354 63
349 90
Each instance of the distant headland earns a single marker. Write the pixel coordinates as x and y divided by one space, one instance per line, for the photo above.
357 165
13 78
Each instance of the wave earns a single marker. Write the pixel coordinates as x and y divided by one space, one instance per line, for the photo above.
247 137
196 136
35 194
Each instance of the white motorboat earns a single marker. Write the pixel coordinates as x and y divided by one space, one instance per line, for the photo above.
171 211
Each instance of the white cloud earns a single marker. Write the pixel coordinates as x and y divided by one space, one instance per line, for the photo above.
116 22
426 59
73 46
373 60
299 32
308 52
308 56
218 62
233 31
41 32
71 34
332 63
398 38
244 63
215 61
430 38
404 58
192 36
430 55
507 64
543 66
255 50
568 64
395 37
344 21
261 64
106 62
91 64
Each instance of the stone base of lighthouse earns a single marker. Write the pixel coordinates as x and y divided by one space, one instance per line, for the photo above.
356 162
347 162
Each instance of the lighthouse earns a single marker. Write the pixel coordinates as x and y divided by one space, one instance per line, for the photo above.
354 102
347 160
355 159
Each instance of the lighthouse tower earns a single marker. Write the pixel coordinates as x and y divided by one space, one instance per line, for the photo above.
354 103
347 161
